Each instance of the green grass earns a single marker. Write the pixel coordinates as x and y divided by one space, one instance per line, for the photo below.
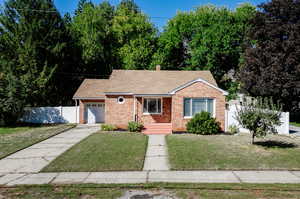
15 139
103 152
295 124
189 152
184 191
9 130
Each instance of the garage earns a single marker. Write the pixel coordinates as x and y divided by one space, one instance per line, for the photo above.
95 113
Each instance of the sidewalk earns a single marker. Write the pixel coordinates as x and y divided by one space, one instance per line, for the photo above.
156 156
132 177
37 156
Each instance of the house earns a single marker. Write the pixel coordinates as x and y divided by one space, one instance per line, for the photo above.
159 99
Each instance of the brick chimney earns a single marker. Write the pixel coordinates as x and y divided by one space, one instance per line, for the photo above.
157 67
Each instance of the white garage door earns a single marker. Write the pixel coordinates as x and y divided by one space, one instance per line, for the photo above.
95 113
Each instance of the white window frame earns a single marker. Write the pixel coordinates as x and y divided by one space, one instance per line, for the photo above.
191 105
161 105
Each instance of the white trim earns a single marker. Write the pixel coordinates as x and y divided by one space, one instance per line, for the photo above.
194 81
118 93
120 97
161 105
88 98
153 95
191 105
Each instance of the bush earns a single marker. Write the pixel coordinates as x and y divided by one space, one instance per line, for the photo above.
260 116
233 129
203 123
135 127
108 127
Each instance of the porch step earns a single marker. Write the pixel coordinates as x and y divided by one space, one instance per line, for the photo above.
158 128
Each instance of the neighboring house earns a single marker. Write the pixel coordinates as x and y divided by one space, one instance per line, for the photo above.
150 97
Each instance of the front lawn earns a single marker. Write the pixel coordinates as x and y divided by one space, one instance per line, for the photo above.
103 152
9 130
13 139
189 152
183 191
295 124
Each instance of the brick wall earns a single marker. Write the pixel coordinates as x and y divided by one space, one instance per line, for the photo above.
165 117
197 89
118 114
82 119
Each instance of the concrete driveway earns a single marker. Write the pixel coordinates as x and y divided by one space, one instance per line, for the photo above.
36 157
294 130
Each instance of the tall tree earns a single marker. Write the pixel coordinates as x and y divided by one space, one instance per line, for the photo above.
91 28
135 35
208 38
31 48
272 57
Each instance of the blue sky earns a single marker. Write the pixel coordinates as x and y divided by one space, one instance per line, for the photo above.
159 10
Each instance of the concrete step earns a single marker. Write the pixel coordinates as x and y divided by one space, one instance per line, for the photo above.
158 128
157 131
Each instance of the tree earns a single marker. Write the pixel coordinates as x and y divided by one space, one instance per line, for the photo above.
135 36
208 38
31 51
91 29
81 5
260 116
272 57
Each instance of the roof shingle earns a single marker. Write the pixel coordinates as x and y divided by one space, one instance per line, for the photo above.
140 82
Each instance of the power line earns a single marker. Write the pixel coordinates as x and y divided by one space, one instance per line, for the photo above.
34 10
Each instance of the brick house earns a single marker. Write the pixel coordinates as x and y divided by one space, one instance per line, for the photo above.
164 101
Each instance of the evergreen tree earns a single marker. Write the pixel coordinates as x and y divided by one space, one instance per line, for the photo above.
31 45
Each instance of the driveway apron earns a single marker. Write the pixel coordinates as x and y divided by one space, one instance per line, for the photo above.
37 156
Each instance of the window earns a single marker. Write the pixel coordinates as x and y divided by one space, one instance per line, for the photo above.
120 100
197 105
152 105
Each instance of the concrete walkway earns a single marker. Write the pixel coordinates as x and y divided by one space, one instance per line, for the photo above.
36 157
152 176
156 155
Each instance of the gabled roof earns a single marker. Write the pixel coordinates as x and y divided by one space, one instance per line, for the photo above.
143 82
154 82
92 89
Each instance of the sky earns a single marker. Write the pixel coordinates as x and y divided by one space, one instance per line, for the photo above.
158 10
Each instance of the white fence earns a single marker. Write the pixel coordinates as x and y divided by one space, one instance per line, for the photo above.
44 115
230 116
70 114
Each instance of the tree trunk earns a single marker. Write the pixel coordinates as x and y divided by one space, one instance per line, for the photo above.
253 135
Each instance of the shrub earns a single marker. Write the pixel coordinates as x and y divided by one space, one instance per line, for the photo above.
233 129
108 127
260 116
135 127
203 123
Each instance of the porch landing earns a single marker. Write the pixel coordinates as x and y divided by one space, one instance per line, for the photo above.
158 128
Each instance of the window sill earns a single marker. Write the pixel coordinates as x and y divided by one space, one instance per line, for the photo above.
187 117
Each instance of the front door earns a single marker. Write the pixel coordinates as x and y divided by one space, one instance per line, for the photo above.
95 113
